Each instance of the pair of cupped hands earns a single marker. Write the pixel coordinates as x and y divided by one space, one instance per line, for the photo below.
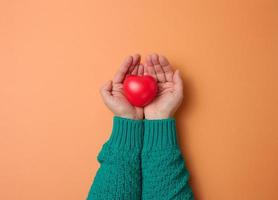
167 100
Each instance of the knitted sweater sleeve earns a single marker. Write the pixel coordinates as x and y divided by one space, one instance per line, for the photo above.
119 175
164 172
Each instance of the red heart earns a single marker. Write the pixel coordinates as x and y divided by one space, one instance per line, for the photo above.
140 90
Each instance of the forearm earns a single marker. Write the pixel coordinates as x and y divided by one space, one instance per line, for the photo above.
119 176
163 169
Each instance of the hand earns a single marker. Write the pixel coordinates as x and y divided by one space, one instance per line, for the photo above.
112 92
170 88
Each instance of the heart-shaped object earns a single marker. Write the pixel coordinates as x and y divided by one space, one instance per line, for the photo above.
140 90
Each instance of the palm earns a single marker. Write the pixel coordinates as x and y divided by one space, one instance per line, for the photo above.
113 95
121 104
169 88
164 97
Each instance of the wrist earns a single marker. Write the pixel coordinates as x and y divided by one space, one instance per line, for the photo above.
129 116
157 116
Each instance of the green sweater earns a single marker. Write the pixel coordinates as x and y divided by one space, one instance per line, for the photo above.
141 160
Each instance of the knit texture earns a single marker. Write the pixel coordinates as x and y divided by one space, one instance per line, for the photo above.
141 160
163 169
119 176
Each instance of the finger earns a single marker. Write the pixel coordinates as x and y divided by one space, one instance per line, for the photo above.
149 60
158 69
136 59
145 69
105 91
178 82
150 68
135 70
120 75
135 62
166 67
151 72
140 70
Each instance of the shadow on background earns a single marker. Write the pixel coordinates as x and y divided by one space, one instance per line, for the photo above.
185 109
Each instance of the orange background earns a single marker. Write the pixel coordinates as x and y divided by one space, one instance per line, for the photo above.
54 55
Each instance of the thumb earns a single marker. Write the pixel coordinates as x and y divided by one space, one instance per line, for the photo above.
177 79
105 91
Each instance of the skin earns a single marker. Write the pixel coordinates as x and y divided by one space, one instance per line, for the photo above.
170 89
112 91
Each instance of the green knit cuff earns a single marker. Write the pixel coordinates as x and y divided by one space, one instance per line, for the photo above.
159 133
126 133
